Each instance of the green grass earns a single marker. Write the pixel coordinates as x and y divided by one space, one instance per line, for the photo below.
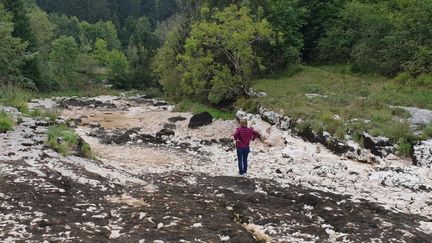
344 96
16 97
88 91
51 115
195 108
6 122
427 131
64 140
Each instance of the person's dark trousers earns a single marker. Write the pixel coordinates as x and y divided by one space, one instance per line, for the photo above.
242 156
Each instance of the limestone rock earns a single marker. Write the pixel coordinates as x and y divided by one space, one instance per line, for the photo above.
422 155
275 137
380 146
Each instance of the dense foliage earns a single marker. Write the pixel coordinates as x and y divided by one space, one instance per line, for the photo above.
211 50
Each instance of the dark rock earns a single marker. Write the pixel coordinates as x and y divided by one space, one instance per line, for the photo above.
165 132
278 171
200 120
27 143
125 137
94 125
185 145
335 145
176 119
206 142
150 139
77 121
226 142
171 126
41 123
160 103
85 103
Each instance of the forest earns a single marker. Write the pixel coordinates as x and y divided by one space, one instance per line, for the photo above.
209 51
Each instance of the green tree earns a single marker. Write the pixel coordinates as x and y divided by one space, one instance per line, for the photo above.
320 17
68 26
89 33
287 18
119 68
141 49
165 62
63 57
12 50
101 52
219 61
43 31
385 37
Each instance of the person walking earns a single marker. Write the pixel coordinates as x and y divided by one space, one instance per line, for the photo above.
242 136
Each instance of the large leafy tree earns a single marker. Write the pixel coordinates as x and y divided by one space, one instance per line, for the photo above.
165 61
63 57
141 49
119 69
384 37
89 33
219 61
12 50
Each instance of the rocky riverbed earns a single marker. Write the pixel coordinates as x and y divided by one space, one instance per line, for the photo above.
155 179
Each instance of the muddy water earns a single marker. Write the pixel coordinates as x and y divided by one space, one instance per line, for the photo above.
150 120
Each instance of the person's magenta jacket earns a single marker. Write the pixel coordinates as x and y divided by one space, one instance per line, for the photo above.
243 136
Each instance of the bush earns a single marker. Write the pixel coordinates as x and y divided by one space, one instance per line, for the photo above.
248 105
62 139
6 122
404 148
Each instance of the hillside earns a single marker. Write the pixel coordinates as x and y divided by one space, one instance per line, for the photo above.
333 99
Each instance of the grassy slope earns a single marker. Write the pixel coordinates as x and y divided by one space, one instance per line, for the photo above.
349 96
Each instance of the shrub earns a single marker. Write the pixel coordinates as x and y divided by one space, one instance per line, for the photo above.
62 139
6 122
404 148
248 105
86 150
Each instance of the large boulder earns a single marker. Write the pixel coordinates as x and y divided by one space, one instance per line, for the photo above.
262 127
200 119
275 137
422 155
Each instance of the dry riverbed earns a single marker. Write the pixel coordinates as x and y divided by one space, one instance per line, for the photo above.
149 185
